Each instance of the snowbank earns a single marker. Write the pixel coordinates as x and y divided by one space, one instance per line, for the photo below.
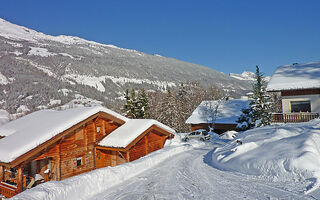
280 152
86 185
229 135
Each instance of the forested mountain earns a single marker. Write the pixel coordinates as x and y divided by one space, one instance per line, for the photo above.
39 70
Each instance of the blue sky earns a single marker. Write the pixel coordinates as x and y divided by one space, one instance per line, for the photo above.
225 35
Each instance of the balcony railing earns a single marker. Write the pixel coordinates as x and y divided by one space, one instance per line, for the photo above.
8 190
9 187
293 117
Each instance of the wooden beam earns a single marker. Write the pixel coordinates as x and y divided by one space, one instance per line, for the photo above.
20 178
128 156
111 148
85 137
58 160
146 143
95 131
110 117
1 173
9 165
94 158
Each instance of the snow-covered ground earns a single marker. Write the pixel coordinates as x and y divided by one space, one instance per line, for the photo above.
276 153
274 162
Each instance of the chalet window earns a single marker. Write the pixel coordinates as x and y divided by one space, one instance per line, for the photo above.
79 161
300 106
98 129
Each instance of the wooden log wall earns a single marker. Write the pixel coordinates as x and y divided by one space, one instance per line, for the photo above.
155 141
79 145
103 158
138 150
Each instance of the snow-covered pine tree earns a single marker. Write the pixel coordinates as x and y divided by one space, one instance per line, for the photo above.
136 107
245 120
129 108
142 109
260 101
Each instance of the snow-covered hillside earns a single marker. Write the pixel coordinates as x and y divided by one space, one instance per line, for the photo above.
40 65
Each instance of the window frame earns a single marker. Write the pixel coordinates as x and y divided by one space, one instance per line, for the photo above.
80 158
98 129
294 106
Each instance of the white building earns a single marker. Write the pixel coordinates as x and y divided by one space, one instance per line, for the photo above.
299 85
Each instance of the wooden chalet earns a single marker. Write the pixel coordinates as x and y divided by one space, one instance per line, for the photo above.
134 143
299 88
223 113
54 145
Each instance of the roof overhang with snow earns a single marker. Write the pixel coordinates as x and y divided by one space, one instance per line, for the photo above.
295 77
228 111
32 133
131 132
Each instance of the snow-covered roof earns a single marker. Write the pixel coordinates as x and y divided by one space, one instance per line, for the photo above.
26 133
227 113
127 133
295 76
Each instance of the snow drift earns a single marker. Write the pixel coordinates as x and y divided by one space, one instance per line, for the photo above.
279 152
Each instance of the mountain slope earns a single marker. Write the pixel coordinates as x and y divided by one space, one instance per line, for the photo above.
34 67
248 76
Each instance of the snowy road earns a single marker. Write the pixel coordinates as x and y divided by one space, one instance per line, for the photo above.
188 176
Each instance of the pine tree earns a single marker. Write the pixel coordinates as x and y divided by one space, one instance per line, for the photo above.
142 109
129 108
245 120
260 103
136 107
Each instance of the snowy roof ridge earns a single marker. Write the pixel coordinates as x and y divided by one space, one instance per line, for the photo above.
26 133
228 111
127 133
295 76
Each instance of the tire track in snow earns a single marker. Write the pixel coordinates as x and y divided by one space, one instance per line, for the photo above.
187 176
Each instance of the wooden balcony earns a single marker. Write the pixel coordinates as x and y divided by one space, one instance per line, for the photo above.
9 186
293 117
8 190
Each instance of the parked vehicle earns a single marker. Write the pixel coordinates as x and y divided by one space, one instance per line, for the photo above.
200 134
